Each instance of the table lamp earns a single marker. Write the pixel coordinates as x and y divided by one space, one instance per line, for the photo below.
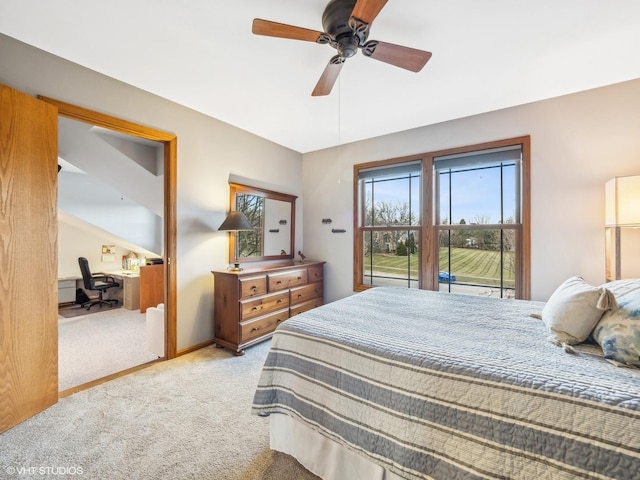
235 222
622 213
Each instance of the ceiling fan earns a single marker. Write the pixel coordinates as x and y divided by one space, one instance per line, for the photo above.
346 26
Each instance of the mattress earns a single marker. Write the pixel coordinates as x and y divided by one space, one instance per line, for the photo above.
446 386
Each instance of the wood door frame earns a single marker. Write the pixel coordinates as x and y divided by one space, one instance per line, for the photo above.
170 142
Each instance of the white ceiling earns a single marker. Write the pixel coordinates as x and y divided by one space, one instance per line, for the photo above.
487 55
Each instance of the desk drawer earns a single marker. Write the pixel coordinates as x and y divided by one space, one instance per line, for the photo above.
66 291
263 305
306 292
280 281
262 325
253 286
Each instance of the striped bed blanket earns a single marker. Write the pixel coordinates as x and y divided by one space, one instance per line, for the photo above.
446 386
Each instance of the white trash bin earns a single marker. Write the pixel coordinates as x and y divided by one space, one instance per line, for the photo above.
155 330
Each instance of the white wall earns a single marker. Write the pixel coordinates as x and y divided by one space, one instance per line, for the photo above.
78 239
88 198
578 142
209 151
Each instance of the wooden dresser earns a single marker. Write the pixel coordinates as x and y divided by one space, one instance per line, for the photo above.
251 303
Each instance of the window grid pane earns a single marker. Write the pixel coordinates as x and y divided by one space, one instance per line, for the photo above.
391 258
478 261
479 195
391 201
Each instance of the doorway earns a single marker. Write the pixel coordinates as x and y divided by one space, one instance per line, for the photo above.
114 130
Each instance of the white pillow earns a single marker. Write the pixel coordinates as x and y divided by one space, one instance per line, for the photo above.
574 309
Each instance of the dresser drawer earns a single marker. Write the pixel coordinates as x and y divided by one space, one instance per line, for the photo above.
253 286
280 281
303 307
262 325
305 293
263 305
316 274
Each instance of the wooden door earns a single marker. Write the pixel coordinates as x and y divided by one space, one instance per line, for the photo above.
28 257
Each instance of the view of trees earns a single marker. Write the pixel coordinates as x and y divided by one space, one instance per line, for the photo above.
482 238
391 214
250 243
403 241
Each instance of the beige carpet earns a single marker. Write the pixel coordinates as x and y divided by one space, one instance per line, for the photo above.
99 344
187 418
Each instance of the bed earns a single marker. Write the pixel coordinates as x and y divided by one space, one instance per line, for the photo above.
403 383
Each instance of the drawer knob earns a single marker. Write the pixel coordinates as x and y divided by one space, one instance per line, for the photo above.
255 329
278 282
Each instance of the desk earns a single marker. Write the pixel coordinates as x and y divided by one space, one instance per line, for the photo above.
67 289
129 295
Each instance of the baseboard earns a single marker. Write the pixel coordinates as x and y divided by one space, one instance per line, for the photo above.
193 348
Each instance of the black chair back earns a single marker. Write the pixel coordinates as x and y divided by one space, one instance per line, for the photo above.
86 273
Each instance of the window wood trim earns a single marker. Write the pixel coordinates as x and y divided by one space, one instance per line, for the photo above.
429 246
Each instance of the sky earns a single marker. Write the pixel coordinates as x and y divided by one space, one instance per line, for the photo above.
475 193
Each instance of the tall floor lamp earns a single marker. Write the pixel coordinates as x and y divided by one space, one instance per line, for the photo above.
622 213
235 222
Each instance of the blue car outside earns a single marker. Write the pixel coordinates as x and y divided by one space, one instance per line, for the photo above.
446 277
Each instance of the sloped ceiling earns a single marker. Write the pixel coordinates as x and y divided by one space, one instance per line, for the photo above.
487 55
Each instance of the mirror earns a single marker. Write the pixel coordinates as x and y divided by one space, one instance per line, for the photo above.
273 216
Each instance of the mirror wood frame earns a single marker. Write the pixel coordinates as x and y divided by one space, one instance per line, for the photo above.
237 188
170 142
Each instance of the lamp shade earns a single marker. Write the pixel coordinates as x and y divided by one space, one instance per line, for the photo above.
236 221
622 202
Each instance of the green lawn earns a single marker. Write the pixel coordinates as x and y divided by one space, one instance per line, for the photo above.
469 265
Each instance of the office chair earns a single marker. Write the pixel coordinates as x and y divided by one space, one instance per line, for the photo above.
99 283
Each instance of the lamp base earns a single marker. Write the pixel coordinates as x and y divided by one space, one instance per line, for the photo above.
236 267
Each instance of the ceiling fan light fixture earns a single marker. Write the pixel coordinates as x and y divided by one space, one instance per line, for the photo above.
347 46
346 26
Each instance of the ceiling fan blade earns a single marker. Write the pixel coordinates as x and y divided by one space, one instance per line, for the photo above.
328 77
367 10
403 57
274 29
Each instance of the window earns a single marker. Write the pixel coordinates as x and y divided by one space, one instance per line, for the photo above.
477 220
454 221
389 220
